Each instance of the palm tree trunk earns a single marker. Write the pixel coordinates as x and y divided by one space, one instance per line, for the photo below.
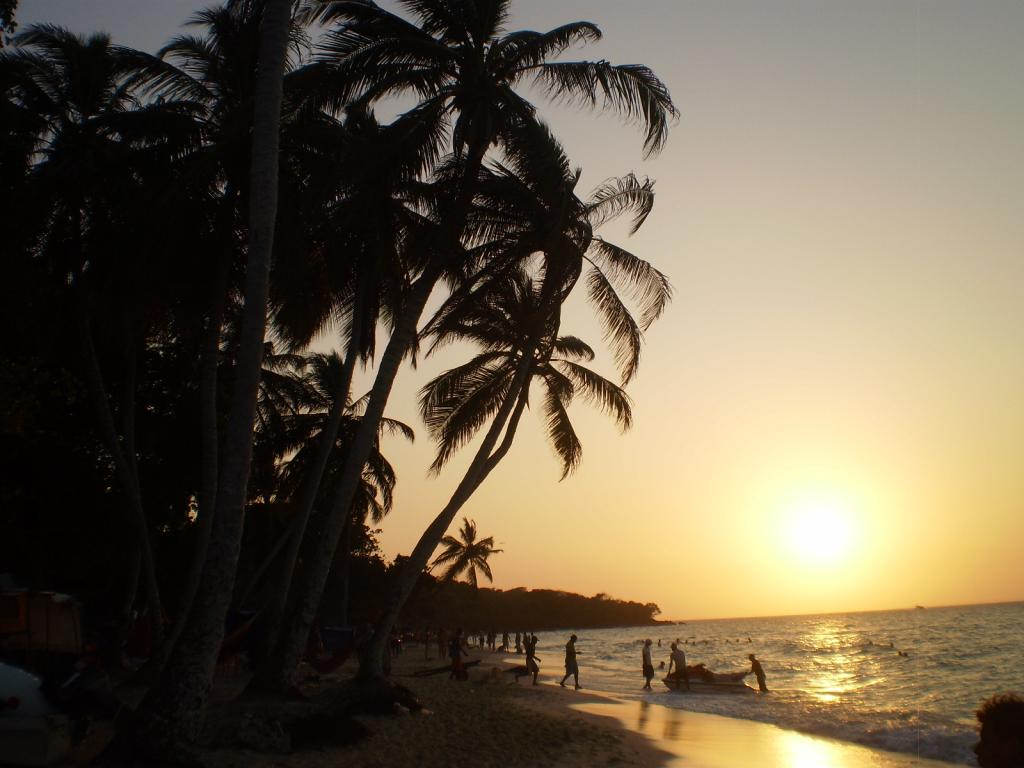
346 553
266 677
125 467
172 713
370 663
287 654
209 449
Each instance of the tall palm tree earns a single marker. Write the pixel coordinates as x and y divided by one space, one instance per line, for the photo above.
214 68
464 68
465 555
516 326
362 214
174 707
528 207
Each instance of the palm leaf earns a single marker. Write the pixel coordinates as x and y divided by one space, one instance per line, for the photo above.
632 90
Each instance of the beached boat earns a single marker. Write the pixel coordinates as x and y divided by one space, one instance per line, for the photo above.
703 680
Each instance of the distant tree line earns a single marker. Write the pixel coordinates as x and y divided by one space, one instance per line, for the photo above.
438 603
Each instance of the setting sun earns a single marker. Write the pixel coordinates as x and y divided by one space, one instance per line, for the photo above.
819 529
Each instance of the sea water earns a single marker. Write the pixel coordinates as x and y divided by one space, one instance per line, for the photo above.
906 681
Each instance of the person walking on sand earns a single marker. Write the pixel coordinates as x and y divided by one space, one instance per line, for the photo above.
758 670
648 665
678 659
532 667
571 668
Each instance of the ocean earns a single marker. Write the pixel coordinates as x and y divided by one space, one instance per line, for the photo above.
906 681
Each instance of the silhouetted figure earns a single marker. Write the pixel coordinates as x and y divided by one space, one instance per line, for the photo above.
455 653
571 668
659 642
1001 732
677 659
648 665
532 667
504 642
758 670
519 640
442 642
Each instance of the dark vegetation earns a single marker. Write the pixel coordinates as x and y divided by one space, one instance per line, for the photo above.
180 226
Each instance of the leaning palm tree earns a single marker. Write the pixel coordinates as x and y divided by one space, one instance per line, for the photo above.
516 327
290 437
464 69
361 185
465 555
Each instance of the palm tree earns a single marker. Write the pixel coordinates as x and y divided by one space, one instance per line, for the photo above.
464 555
362 214
528 204
215 70
516 326
174 706
463 67
296 413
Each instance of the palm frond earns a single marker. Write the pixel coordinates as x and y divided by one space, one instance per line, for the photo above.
632 90
560 430
618 195
649 287
620 329
594 388
573 347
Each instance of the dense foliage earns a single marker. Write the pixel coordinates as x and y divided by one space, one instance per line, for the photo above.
181 227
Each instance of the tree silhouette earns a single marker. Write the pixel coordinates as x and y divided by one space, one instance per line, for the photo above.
465 555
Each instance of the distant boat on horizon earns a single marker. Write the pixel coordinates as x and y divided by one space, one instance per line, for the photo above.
918 607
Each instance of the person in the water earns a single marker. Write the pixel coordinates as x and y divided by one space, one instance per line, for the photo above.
758 670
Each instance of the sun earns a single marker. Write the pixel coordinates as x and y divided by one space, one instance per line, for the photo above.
819 529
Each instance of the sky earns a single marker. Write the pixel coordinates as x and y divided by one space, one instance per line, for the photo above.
830 415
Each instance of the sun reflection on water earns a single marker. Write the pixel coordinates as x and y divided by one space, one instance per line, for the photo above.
835 671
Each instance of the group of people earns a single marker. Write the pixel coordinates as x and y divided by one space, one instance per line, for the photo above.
678 670
458 647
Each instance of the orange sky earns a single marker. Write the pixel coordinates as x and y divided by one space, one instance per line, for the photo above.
841 212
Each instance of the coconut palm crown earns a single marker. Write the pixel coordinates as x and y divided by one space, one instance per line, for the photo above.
465 555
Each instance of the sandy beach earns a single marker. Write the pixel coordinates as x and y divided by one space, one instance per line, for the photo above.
489 720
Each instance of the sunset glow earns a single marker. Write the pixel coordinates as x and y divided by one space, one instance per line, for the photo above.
819 530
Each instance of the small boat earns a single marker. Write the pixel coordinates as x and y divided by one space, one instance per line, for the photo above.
703 680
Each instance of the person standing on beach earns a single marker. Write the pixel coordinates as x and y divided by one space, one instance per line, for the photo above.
455 653
678 659
1001 732
648 664
571 668
758 670
531 657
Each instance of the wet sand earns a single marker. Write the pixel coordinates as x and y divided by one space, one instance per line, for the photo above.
712 741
